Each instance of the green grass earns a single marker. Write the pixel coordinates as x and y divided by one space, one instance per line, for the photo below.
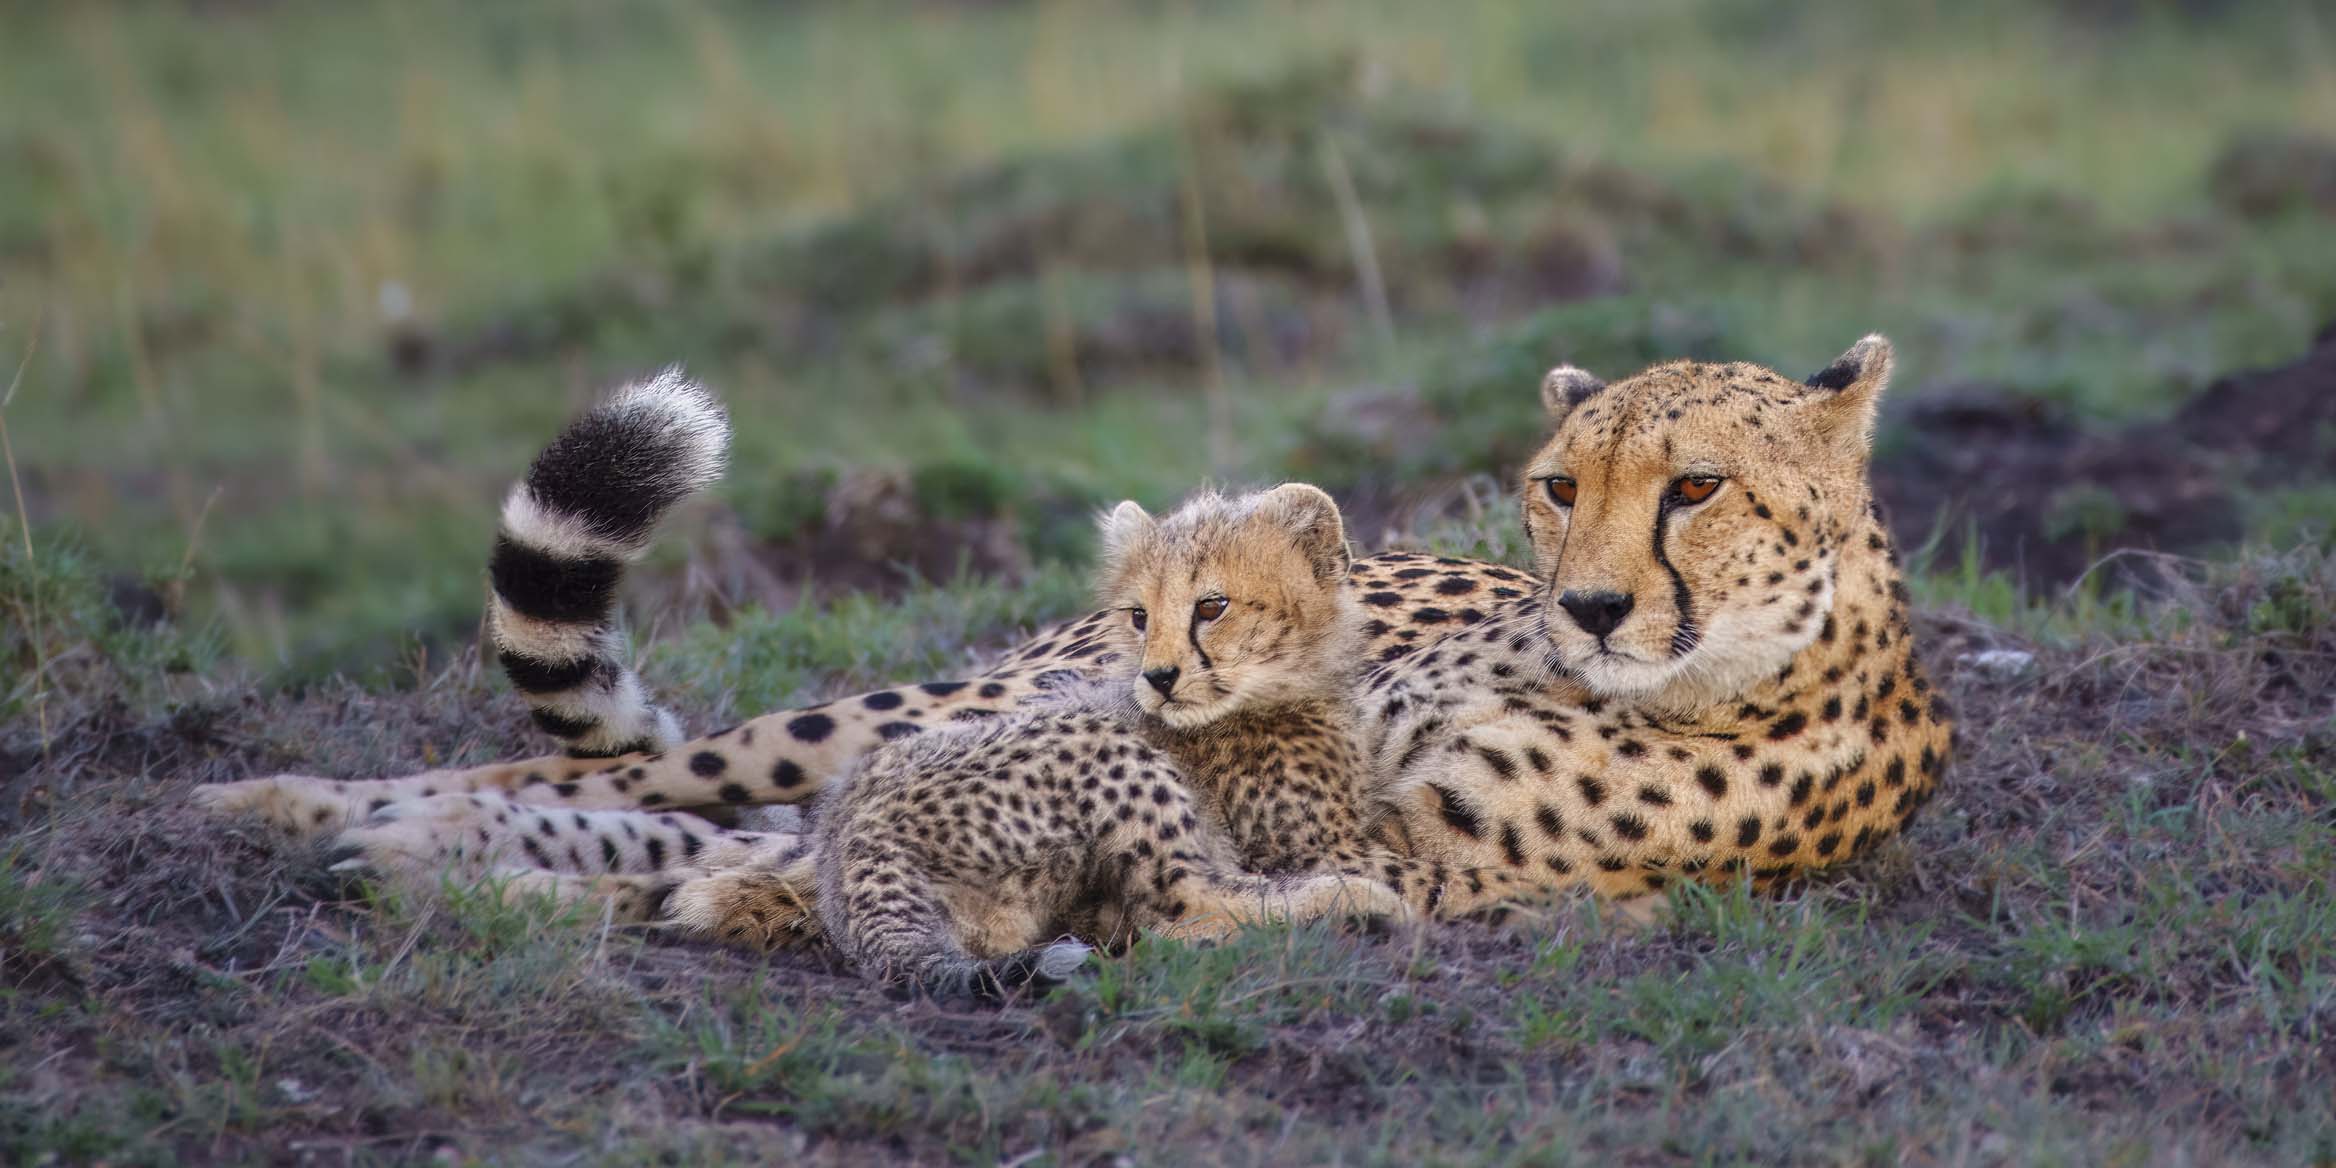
2123 957
954 242
762 660
311 283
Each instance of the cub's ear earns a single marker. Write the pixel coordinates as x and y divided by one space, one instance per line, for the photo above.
1309 514
1844 395
1123 528
1565 388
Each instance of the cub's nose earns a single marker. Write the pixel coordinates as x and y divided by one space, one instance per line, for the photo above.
1597 612
1163 678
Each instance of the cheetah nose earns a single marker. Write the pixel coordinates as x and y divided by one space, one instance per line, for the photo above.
1163 678
1597 612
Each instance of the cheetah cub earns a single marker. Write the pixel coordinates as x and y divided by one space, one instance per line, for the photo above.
953 858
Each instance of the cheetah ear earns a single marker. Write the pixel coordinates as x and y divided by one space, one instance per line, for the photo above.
1565 388
1308 513
1847 392
1122 528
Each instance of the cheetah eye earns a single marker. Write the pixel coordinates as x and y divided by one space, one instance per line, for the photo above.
1561 490
1139 618
1210 609
1694 488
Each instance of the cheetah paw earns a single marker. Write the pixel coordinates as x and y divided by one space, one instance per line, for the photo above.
754 909
304 806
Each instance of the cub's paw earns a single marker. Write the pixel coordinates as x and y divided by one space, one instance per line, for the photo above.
306 807
1032 972
421 837
755 909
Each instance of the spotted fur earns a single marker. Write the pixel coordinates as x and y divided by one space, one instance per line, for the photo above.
949 857
1757 712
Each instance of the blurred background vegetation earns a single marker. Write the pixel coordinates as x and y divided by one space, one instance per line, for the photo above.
299 287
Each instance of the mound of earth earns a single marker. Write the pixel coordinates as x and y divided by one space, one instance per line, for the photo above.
2045 498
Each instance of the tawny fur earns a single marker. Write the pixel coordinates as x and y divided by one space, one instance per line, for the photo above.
1758 712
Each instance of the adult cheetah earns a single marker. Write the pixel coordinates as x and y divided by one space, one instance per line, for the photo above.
1710 675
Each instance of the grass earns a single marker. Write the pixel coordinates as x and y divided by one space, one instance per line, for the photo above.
2110 941
310 283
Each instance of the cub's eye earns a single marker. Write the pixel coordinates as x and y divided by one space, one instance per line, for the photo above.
1694 488
1139 618
1561 490
1211 608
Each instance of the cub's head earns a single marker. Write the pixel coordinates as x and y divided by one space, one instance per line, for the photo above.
1239 600
1690 519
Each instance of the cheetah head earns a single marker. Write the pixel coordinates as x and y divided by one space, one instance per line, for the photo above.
1238 600
1690 519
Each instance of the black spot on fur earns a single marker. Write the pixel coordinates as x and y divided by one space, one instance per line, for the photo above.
1456 813
705 764
1801 788
1512 848
1499 761
1713 780
1546 818
811 727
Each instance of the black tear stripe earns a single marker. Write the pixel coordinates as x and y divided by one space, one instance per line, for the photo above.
1192 633
1681 598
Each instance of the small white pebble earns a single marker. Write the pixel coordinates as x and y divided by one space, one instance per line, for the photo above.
395 300
2000 664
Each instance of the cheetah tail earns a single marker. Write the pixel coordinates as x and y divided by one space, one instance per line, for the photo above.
588 505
